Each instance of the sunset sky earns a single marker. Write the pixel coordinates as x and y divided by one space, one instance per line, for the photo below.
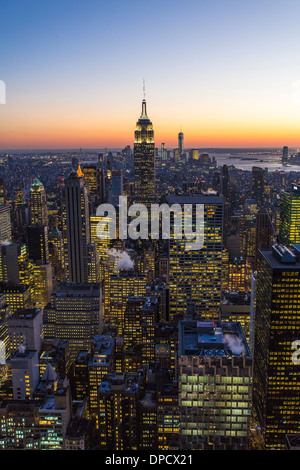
225 71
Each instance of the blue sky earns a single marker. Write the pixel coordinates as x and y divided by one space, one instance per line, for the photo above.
231 61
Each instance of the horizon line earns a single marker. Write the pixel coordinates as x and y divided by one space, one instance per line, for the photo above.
80 149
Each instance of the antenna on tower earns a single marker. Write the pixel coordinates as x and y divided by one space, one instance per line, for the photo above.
144 90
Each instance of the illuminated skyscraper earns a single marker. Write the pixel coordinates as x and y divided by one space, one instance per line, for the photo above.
5 314
74 313
176 155
195 154
215 370
5 223
16 296
76 227
164 152
118 406
238 275
99 364
2 192
102 244
195 275
25 373
55 238
167 413
38 204
95 182
120 286
55 410
93 264
139 326
148 422
289 232
25 328
38 248
15 266
276 378
144 159
20 429
43 285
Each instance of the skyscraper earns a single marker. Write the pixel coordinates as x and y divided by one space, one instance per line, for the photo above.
225 182
215 368
164 152
25 373
25 328
116 187
118 407
263 231
276 378
119 286
258 185
289 232
3 194
38 248
180 144
5 223
15 267
76 227
95 182
144 160
100 364
195 275
195 154
43 284
38 204
285 155
74 313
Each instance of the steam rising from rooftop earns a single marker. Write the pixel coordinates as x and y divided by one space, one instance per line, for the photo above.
234 343
122 258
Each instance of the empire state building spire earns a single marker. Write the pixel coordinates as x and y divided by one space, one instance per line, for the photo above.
144 106
144 110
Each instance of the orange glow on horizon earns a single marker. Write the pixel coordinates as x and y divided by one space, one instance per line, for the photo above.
96 138
92 131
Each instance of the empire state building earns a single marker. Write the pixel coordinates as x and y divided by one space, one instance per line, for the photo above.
144 160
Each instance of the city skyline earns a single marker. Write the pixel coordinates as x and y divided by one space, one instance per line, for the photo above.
224 74
149 228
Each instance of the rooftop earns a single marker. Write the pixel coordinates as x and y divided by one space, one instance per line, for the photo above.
66 289
37 183
282 257
103 347
26 313
212 339
125 383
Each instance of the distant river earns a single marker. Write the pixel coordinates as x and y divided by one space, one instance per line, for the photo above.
246 161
